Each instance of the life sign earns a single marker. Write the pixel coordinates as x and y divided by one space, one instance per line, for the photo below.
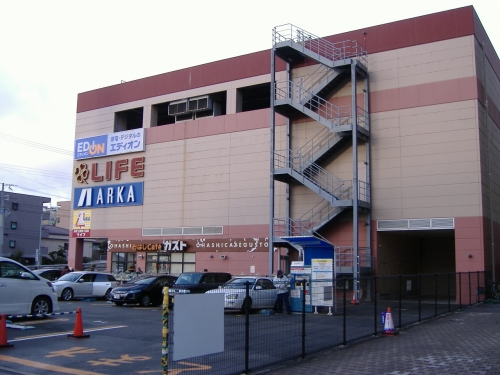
109 196
110 144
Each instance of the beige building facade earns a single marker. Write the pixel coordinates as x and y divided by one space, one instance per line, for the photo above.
185 182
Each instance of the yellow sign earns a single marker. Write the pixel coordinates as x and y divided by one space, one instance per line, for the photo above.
81 223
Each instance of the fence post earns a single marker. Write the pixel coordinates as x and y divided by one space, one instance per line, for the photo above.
470 296
246 302
375 312
344 342
419 298
303 355
400 307
477 288
449 293
460 287
435 294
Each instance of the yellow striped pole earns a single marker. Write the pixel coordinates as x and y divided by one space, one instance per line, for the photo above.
164 346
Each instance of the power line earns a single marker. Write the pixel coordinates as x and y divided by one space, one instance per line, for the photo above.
35 144
31 171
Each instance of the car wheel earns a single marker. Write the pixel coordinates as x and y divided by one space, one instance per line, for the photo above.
41 305
107 296
145 301
119 303
246 302
67 294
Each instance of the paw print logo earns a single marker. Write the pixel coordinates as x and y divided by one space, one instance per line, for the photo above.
82 173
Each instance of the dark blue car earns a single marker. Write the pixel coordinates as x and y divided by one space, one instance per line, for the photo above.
146 290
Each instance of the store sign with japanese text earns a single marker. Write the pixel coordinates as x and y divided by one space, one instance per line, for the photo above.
110 144
81 223
153 246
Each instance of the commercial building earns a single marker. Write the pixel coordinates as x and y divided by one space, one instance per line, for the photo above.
383 141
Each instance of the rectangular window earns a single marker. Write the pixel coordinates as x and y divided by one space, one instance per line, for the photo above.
14 206
12 244
13 225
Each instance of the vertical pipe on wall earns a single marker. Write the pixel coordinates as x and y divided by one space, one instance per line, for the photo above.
271 178
355 193
368 164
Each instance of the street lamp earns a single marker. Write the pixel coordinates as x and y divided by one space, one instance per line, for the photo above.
38 251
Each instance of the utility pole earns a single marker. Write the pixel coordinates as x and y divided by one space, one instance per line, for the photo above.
4 212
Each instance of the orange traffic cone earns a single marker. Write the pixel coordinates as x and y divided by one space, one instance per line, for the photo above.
78 331
3 333
389 324
354 299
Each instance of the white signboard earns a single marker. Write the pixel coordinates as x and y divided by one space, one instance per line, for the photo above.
322 276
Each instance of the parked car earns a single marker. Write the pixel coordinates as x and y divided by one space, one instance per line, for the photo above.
82 284
145 290
23 292
261 290
199 282
50 274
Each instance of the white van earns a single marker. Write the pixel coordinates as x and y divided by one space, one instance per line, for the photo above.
22 292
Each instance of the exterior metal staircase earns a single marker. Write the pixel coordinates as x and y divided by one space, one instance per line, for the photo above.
343 126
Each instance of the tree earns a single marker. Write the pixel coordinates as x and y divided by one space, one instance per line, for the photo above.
17 255
58 257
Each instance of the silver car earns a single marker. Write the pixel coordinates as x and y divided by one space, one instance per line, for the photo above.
262 293
22 292
82 284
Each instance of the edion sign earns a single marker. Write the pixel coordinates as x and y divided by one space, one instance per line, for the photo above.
110 144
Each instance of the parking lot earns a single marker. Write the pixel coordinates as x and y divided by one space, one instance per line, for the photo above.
123 340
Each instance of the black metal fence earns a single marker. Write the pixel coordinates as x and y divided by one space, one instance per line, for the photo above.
255 339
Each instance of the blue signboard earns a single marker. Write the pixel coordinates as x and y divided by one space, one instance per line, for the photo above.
109 196
109 144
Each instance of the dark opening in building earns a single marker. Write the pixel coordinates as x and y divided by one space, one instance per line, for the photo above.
255 97
129 120
189 109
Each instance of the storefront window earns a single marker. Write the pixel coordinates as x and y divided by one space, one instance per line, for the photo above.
121 262
173 263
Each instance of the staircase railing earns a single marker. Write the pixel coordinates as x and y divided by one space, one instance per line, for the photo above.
312 172
321 47
324 139
334 115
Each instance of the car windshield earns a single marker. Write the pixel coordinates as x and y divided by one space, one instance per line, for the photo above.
239 283
189 279
72 276
142 281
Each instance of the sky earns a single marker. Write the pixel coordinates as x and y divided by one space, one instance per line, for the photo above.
52 50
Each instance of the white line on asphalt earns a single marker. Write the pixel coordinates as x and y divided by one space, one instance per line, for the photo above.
64 333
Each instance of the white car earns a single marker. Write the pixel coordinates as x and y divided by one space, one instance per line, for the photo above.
82 284
261 290
22 292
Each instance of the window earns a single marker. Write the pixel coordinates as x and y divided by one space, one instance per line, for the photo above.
129 120
13 225
12 244
254 97
14 206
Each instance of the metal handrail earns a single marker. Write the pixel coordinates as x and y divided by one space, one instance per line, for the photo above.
334 115
319 46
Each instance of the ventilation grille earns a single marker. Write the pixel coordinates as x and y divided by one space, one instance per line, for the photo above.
182 231
203 103
416 224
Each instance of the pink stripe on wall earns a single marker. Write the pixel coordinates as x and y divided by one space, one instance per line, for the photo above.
236 122
450 24
450 91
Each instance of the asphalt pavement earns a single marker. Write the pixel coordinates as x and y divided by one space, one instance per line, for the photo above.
463 342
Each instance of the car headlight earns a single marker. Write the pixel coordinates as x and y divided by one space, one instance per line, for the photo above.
135 291
232 296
